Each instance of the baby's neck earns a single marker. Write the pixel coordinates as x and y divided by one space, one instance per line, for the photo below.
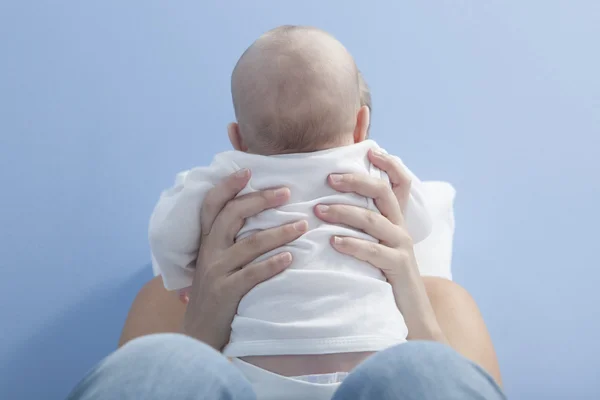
343 140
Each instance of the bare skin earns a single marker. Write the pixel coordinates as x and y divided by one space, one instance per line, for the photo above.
462 323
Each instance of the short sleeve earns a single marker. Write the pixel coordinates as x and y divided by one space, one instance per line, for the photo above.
434 253
174 229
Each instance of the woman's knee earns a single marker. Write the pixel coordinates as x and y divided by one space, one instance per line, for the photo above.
153 366
165 344
412 361
416 370
415 356
171 351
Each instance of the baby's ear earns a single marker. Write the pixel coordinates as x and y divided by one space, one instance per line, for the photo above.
233 131
363 120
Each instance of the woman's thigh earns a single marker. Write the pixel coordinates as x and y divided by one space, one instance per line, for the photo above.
420 371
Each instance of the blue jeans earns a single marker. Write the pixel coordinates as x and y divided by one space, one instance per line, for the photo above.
170 366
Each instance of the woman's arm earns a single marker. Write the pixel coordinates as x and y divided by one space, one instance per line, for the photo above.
154 310
462 323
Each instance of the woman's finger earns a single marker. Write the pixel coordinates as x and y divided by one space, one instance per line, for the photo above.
253 274
231 219
377 189
378 255
368 221
250 248
399 177
217 197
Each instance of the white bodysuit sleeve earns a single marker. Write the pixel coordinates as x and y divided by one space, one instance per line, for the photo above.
174 230
434 254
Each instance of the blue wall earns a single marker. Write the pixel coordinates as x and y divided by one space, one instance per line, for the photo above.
102 102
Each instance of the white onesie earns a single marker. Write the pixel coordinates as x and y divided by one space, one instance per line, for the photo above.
325 302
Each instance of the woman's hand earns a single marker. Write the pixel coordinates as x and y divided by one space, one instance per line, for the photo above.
223 270
394 254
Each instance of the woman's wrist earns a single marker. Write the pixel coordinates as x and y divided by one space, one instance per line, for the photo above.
413 302
196 327
204 337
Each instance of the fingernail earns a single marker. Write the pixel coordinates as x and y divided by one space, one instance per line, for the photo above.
281 192
336 178
286 258
242 173
322 208
301 226
377 153
184 298
337 240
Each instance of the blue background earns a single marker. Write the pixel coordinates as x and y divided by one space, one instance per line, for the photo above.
102 102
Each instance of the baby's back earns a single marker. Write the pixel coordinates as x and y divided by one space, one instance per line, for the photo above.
325 302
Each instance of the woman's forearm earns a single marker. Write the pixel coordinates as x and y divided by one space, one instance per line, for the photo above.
414 304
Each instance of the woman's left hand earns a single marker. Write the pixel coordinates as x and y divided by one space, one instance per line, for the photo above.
394 254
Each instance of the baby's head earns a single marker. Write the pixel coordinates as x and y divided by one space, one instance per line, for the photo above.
297 89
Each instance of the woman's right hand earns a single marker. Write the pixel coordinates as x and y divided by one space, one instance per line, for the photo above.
224 268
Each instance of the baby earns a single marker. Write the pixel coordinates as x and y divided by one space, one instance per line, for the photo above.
303 112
